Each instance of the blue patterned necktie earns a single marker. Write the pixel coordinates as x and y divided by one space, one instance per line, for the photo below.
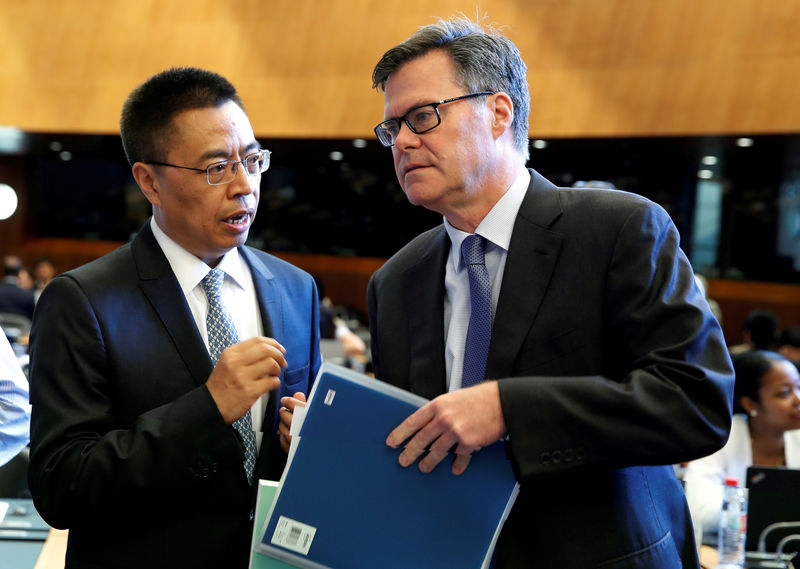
221 334
479 332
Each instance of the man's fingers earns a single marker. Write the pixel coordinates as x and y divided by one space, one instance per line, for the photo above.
256 351
410 455
460 463
440 448
285 424
431 460
290 403
411 425
270 383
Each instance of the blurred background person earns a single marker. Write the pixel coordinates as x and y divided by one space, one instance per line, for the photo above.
44 271
333 326
789 344
716 309
25 279
13 298
765 432
760 332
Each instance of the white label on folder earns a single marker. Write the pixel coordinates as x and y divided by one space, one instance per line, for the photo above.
293 535
329 397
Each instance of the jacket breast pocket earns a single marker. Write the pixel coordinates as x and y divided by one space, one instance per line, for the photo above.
295 380
552 355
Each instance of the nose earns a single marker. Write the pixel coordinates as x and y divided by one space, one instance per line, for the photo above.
406 138
243 183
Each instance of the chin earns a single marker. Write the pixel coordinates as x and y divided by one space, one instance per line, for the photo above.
420 195
237 240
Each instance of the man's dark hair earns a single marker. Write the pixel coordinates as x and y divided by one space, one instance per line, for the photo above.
12 265
148 111
790 337
763 328
749 368
484 60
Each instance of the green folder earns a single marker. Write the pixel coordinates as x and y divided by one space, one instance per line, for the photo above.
266 493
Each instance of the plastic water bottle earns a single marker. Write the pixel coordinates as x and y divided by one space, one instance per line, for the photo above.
732 525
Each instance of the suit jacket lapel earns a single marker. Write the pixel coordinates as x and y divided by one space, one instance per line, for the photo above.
271 458
159 285
532 256
269 304
268 300
424 303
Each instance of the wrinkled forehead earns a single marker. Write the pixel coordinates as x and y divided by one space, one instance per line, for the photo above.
425 79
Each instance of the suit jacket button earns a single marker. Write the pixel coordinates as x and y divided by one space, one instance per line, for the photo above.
544 458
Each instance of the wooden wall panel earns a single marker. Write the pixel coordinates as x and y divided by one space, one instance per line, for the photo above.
738 298
596 67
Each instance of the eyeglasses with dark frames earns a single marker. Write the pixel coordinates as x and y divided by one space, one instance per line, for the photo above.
224 171
419 119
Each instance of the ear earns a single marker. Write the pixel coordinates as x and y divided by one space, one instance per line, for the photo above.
748 404
145 176
502 113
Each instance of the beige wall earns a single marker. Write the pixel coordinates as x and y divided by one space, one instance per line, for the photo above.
596 67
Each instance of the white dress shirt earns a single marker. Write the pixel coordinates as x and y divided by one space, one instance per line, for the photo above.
496 228
15 411
238 296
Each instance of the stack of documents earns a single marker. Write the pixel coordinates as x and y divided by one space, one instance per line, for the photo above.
344 502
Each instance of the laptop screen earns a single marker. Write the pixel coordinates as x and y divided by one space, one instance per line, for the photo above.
773 496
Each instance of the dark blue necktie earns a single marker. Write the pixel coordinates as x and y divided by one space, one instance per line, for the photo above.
479 333
221 334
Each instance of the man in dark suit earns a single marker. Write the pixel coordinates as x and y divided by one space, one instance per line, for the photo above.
133 446
604 362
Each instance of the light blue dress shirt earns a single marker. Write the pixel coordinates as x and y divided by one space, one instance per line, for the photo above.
15 411
496 227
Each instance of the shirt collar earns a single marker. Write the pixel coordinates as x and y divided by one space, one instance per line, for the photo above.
498 224
189 269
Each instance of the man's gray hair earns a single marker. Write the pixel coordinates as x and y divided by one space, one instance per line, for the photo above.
484 60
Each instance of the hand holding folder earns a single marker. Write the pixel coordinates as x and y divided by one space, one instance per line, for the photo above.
467 419
286 413
344 502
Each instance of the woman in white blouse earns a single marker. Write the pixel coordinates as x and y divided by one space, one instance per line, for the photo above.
765 432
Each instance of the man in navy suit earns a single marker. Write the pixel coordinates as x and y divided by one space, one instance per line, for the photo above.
132 443
604 362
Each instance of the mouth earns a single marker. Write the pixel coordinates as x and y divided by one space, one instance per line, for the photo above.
239 218
412 168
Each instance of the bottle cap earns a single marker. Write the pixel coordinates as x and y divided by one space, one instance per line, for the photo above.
731 482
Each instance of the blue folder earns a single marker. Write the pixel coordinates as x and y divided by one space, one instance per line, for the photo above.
344 502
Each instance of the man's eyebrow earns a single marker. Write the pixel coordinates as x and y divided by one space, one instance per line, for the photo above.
223 155
416 105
